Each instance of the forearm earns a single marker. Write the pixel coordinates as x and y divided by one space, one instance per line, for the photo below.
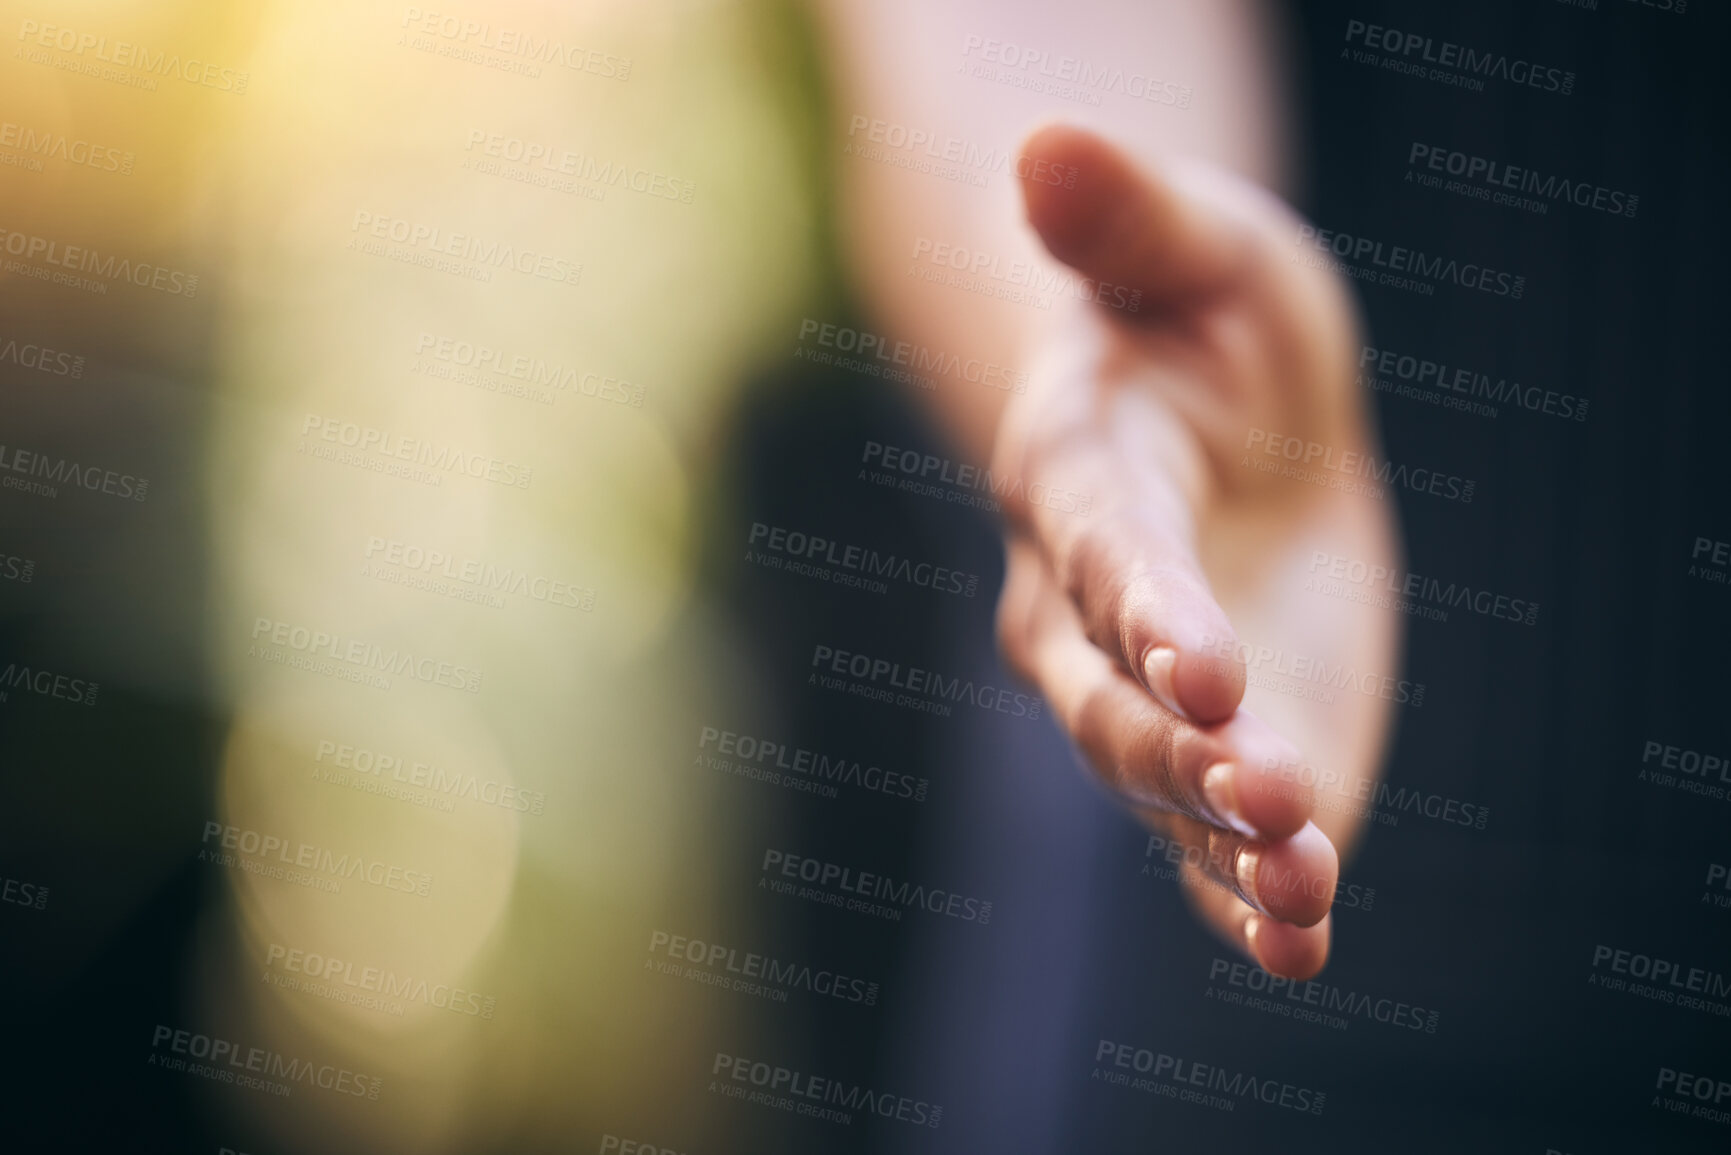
903 73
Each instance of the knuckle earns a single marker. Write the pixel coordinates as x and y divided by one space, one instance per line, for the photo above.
1088 556
1150 765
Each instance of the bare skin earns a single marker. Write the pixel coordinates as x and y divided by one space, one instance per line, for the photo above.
1136 620
1130 619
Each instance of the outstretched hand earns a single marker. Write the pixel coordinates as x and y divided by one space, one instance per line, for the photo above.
1136 620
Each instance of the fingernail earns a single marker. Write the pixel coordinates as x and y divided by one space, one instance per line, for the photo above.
1244 871
1158 669
1221 795
1252 924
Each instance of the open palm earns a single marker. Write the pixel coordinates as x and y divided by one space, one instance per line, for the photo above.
1171 626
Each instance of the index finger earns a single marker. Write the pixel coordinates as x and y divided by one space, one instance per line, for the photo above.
1227 774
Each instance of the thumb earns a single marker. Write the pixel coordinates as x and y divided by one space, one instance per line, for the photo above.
1170 236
